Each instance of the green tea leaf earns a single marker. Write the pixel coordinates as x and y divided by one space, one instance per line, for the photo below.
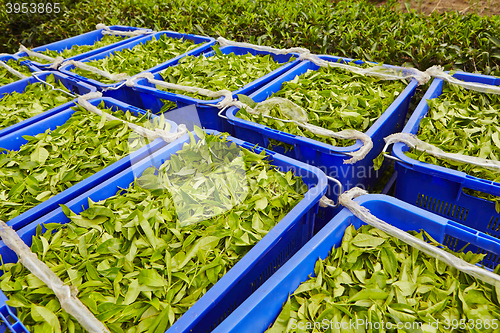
389 261
134 264
40 313
40 155
132 292
369 293
247 100
150 278
364 240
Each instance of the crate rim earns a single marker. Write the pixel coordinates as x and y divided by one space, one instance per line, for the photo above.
41 66
32 67
208 41
216 292
7 89
19 221
200 102
318 244
321 146
413 126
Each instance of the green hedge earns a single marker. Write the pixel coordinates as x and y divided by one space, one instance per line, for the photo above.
25 28
349 28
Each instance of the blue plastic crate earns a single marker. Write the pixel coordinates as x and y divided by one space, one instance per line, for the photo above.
126 94
150 96
88 38
261 309
14 140
439 189
8 320
7 57
72 84
286 238
327 157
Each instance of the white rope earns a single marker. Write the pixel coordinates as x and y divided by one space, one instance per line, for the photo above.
437 72
167 85
79 64
224 42
151 135
12 70
384 73
58 61
415 143
325 202
55 61
364 215
229 101
30 53
107 31
65 294
381 72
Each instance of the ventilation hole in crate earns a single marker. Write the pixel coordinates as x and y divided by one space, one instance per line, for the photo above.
450 210
450 242
463 214
426 202
421 200
442 207
446 240
491 221
321 214
489 258
275 264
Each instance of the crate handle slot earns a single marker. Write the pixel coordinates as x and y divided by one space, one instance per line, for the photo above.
479 186
473 236
256 149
